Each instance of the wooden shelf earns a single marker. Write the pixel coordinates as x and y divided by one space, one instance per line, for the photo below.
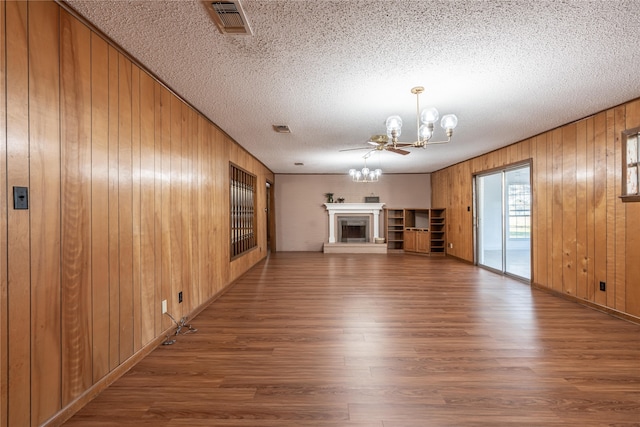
416 230
437 221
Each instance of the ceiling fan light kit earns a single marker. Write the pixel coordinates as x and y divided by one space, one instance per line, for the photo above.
425 124
425 121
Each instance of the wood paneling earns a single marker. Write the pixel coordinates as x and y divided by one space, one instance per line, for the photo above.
165 201
4 331
148 307
136 207
611 208
100 204
582 255
582 233
600 206
632 227
175 225
187 191
125 209
620 229
44 152
75 191
128 207
113 222
557 236
157 209
568 209
18 254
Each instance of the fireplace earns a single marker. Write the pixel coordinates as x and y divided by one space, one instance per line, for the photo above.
353 229
368 211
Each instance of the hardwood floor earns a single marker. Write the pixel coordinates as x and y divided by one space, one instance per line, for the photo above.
328 340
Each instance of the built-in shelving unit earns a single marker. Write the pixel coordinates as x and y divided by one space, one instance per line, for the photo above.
394 222
416 230
437 230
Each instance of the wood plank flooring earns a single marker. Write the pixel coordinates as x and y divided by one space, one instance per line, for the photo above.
328 340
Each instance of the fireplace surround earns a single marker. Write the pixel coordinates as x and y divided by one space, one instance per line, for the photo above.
370 210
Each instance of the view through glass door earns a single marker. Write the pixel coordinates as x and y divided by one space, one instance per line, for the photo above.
503 221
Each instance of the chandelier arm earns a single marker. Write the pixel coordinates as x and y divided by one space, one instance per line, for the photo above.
418 114
437 142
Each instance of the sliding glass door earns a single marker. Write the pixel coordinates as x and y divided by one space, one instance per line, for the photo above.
503 221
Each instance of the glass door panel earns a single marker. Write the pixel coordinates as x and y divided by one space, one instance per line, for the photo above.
518 222
489 206
503 212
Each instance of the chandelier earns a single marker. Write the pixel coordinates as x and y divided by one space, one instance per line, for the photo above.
425 121
365 174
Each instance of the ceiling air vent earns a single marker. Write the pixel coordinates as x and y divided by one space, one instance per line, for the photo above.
281 128
229 17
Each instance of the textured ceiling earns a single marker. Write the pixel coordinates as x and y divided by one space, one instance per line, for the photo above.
334 70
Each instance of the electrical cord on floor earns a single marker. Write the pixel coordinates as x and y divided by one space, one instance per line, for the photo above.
179 327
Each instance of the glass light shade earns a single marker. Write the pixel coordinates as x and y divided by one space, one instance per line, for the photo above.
352 172
425 133
358 174
378 172
365 171
450 121
372 175
429 115
394 123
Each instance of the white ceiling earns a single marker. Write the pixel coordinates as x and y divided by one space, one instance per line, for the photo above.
334 70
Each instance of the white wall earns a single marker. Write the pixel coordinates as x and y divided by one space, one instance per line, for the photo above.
301 217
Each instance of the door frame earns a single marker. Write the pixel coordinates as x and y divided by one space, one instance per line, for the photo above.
503 170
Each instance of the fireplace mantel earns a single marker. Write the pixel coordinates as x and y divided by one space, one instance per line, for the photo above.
353 208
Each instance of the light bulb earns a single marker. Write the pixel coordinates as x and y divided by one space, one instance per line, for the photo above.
398 132
352 172
429 115
378 172
358 174
450 121
394 123
365 171
425 132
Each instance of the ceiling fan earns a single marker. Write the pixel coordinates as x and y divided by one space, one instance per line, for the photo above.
380 143
425 121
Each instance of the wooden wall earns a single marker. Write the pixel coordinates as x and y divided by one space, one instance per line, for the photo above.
582 233
129 204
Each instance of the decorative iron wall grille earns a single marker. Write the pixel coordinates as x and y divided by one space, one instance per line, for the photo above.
243 210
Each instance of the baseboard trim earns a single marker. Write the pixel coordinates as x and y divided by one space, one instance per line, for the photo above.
607 310
70 410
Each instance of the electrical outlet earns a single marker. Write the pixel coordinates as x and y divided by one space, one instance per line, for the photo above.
180 297
603 286
164 306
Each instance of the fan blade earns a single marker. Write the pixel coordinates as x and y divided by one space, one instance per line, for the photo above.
398 151
353 149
